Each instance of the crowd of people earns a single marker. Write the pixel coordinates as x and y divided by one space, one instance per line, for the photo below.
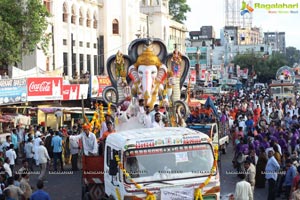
265 134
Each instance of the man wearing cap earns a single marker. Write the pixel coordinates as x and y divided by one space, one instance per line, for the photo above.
272 168
89 141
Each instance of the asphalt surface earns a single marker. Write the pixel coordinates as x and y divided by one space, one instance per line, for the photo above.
229 179
61 185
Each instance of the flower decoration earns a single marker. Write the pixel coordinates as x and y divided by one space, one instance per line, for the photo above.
150 195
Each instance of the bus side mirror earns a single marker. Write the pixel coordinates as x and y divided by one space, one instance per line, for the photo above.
113 168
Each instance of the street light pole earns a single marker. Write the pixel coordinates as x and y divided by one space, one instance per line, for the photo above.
198 66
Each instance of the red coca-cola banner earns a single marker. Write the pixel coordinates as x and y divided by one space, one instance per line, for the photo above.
44 88
75 91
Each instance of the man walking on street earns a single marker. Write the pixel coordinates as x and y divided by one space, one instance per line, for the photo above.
11 154
56 143
74 148
243 190
272 168
43 159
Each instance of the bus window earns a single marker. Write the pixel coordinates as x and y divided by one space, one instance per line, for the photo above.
288 89
276 90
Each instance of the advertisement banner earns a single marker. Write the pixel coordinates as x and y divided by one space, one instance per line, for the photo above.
13 91
202 75
44 88
193 76
98 83
75 91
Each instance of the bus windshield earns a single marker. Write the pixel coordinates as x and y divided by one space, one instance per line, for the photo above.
169 163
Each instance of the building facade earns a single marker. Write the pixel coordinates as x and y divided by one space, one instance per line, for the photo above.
276 40
85 33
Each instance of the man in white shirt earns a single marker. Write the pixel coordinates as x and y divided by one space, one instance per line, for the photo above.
43 159
7 167
154 111
157 123
243 189
28 148
11 154
89 141
146 118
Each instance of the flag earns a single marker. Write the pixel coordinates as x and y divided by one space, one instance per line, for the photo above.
210 103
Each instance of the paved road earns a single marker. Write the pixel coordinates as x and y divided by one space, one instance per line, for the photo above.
60 186
228 181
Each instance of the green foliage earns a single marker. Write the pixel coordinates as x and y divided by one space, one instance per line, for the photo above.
9 44
292 56
26 22
178 9
264 66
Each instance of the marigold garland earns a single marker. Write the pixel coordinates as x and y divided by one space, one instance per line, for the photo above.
198 191
150 195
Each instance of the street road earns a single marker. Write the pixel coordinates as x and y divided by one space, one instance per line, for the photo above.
229 180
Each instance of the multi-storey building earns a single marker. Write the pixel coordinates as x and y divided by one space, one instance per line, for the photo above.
276 40
85 33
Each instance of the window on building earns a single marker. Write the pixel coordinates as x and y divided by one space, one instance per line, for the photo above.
95 46
88 45
65 12
64 42
88 19
73 43
88 63
96 65
65 60
47 4
81 62
95 22
81 44
115 26
80 17
73 18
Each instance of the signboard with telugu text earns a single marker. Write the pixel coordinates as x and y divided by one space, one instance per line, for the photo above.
97 85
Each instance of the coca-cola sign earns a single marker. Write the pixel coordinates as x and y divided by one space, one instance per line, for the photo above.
44 88
39 87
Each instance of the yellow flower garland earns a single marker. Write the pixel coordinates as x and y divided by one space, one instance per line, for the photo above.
150 195
198 191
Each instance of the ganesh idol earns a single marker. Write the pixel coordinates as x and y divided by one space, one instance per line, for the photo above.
148 75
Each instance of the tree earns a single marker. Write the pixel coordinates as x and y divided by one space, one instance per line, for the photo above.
292 56
24 24
264 66
178 9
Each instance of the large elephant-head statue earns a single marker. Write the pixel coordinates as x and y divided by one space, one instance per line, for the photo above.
147 75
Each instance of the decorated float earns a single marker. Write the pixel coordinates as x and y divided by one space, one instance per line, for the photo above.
283 86
150 73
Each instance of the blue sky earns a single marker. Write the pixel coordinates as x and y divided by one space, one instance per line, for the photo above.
212 12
